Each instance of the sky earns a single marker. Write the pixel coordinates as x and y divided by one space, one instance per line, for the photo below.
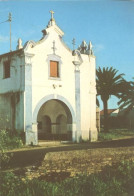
109 25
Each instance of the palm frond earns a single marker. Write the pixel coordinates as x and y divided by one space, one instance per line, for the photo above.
108 82
127 97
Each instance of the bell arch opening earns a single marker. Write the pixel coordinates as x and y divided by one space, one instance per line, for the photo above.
54 121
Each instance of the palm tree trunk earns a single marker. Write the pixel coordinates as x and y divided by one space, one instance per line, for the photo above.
105 115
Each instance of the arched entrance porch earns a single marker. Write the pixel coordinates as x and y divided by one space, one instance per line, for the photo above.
55 119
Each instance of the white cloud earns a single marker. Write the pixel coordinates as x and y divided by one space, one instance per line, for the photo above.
98 47
4 38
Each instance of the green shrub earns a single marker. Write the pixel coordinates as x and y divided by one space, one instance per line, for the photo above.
8 142
115 134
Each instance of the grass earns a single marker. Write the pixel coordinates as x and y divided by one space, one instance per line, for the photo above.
115 180
115 134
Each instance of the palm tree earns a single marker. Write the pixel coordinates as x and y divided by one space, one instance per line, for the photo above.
127 98
108 83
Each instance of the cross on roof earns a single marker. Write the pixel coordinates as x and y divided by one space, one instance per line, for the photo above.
52 13
54 48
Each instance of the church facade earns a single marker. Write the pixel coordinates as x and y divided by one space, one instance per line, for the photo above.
48 91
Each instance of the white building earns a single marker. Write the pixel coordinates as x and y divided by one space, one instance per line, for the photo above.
47 90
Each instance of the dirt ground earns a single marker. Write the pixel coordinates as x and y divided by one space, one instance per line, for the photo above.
70 163
69 160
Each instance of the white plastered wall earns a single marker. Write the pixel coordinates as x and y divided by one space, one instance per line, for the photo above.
88 97
42 85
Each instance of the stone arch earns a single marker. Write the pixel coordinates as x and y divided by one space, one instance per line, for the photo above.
48 98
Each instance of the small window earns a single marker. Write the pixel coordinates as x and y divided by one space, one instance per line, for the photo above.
6 69
54 69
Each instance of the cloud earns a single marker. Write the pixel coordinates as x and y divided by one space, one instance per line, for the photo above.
4 39
3 0
98 47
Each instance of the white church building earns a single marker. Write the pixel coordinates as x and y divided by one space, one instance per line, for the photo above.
48 91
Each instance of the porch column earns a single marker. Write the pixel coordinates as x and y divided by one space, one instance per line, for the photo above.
30 129
93 133
74 136
77 101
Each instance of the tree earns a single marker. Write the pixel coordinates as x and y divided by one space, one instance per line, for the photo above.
108 83
127 98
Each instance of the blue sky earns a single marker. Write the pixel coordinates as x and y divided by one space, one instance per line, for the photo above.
108 24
